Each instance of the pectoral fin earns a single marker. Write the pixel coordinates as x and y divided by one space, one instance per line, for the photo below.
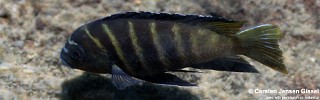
232 64
121 80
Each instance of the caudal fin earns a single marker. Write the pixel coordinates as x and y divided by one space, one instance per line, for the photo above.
261 44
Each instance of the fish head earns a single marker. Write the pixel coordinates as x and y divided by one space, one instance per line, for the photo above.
78 53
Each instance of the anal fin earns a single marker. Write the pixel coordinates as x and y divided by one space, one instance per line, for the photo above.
186 71
167 79
121 80
232 64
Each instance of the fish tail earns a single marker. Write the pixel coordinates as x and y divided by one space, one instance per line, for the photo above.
260 44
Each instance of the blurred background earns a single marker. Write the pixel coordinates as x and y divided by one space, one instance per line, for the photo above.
32 33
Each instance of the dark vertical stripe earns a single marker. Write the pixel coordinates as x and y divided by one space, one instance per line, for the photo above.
94 39
196 42
186 44
177 32
145 40
105 41
137 48
117 40
167 41
156 35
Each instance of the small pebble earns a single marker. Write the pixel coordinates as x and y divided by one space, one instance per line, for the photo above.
2 52
33 55
28 71
18 43
312 59
138 2
4 14
4 66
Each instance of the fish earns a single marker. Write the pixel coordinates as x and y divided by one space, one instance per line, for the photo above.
136 47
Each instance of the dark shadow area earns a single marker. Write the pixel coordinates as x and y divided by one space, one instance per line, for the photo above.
96 87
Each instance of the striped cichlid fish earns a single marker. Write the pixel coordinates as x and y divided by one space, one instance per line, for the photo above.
144 47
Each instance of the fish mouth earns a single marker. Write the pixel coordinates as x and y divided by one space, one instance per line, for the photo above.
65 63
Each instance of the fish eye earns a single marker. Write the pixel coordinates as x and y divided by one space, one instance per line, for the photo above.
76 52
75 55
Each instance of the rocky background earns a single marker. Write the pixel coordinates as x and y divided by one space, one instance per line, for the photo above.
32 33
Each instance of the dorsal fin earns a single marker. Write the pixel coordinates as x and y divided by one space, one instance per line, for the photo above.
214 23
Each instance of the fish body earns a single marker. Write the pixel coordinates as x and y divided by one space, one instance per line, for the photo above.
144 46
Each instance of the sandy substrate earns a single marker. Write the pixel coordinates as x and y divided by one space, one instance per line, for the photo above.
33 32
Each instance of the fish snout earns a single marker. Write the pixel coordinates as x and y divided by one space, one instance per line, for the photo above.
63 59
